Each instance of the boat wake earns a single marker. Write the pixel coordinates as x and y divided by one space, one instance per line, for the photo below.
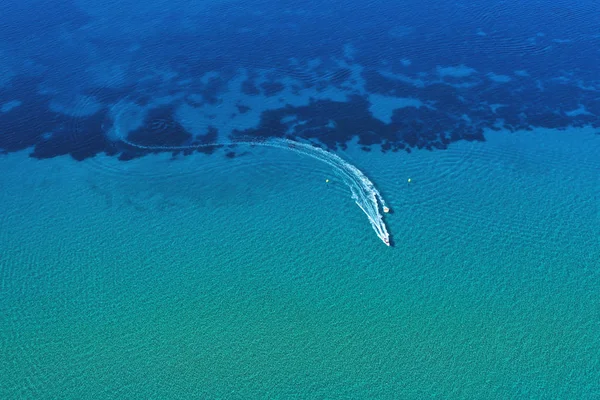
364 192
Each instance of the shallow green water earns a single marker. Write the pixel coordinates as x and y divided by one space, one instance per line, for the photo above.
245 278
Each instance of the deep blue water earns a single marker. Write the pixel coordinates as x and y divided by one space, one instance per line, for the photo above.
552 47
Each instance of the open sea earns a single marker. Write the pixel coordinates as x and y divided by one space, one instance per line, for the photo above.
155 245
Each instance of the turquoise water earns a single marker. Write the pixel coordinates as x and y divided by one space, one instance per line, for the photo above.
252 277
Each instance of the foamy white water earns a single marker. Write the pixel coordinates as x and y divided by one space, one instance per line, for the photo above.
364 192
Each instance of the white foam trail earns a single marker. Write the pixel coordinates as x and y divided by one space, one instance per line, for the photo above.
364 192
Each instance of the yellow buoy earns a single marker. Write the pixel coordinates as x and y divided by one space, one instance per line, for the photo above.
386 210
326 180
409 180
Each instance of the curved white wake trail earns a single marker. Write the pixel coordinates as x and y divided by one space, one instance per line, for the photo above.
364 192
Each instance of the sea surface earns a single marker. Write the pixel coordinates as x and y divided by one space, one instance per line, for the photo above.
154 246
